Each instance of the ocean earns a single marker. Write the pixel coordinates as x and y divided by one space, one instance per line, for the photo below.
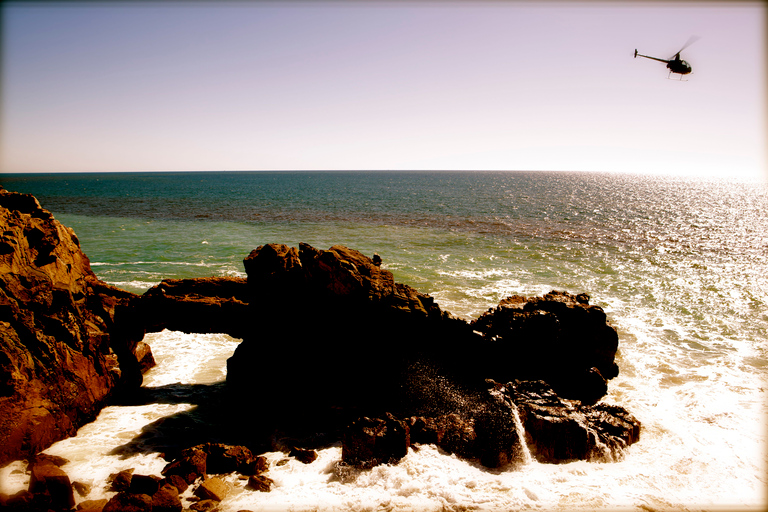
680 265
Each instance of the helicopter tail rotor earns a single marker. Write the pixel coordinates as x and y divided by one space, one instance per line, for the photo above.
635 52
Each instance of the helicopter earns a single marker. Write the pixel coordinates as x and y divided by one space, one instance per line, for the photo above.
675 64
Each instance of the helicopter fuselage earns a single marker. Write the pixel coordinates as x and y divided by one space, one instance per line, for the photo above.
679 66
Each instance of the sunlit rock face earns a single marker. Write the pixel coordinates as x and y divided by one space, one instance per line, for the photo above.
61 354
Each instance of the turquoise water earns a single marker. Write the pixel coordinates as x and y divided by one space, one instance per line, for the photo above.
679 264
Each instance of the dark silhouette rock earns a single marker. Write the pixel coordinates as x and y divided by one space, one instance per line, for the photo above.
202 305
372 441
144 484
64 349
558 338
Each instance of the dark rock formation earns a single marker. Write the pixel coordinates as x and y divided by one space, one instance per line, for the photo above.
369 442
558 338
202 305
330 341
559 430
63 346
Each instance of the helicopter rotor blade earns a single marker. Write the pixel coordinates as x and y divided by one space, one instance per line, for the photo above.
688 43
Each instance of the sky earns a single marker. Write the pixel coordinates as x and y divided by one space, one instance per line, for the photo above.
382 85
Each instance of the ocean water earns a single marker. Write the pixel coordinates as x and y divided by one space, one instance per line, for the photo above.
680 265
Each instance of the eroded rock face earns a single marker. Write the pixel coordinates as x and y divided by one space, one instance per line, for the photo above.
62 352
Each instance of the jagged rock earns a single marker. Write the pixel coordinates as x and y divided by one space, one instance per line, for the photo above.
166 499
450 432
82 488
559 430
63 346
558 338
69 341
372 441
176 481
190 465
213 489
127 502
260 483
120 481
224 458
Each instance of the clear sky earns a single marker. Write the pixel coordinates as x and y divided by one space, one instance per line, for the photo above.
499 85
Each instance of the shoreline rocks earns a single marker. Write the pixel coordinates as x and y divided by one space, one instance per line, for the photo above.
339 351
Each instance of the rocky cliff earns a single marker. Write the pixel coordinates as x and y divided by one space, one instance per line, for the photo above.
63 349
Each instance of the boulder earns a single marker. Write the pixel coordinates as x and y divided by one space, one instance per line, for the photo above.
91 505
166 499
190 466
127 502
213 489
224 458
64 348
176 481
144 484
49 480
302 455
120 481
260 483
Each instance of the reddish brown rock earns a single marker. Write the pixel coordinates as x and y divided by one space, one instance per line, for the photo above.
260 483
213 489
190 465
92 505
60 354
49 480
302 455
166 499
127 502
